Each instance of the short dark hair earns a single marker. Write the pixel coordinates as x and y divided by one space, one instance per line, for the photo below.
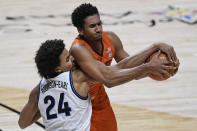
81 12
47 57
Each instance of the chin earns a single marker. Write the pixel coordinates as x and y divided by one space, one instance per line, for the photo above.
98 39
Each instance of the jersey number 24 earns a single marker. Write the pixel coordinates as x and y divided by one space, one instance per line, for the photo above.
63 107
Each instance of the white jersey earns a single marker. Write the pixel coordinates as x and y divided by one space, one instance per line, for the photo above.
61 107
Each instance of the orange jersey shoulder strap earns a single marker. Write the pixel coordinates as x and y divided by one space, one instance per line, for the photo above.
109 50
78 40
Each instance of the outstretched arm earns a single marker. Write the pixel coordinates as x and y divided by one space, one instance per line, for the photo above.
126 61
111 75
30 112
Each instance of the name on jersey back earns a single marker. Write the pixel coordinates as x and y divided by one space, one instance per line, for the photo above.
53 84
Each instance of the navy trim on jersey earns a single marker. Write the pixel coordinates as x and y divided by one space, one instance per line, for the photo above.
73 89
38 96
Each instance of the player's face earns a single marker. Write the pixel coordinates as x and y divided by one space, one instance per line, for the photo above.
66 61
92 29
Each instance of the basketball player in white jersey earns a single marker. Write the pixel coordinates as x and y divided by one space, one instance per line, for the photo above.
62 106
61 98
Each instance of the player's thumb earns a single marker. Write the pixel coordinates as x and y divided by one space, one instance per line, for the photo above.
158 53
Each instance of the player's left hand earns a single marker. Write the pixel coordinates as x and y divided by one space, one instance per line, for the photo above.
169 50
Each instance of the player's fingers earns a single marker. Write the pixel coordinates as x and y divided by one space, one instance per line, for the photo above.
156 56
177 63
165 73
167 62
158 74
174 55
169 67
158 53
161 75
169 54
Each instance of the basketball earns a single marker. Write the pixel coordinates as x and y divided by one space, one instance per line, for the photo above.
161 57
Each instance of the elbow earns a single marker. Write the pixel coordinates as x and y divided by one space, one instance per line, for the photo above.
109 79
21 124
108 83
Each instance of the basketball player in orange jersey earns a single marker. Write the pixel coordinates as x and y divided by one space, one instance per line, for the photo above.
61 98
94 49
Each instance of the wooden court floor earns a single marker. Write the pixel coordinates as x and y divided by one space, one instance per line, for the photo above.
129 118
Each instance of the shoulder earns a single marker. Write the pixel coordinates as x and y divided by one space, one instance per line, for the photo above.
79 50
111 35
78 47
115 40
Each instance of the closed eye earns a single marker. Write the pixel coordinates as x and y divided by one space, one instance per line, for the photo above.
92 25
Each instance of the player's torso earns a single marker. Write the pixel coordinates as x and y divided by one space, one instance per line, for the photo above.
61 107
99 97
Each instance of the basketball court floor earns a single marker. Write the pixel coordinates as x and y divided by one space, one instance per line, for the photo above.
143 105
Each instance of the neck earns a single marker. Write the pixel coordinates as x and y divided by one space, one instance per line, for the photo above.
95 45
92 43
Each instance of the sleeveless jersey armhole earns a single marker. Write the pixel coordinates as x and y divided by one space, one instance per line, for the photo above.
73 89
38 95
109 41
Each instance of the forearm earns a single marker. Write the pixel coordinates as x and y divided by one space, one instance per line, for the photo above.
25 118
36 117
119 76
30 112
138 59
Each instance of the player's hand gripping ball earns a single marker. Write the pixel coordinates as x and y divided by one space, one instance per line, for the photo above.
162 57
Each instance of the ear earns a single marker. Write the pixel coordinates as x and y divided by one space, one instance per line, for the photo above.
81 31
58 69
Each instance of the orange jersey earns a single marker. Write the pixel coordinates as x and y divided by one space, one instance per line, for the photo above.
103 118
